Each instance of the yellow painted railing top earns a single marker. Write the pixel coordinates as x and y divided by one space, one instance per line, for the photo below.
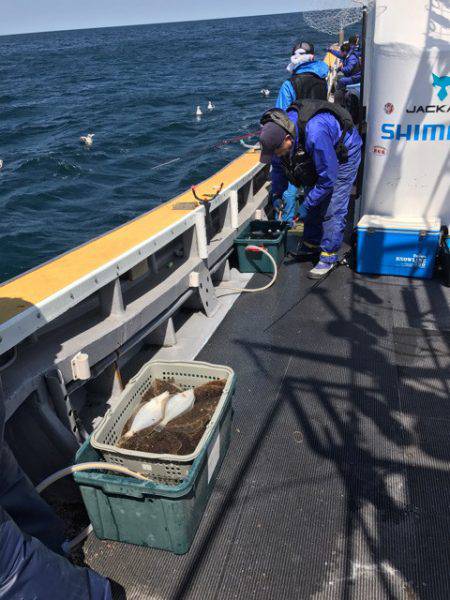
41 283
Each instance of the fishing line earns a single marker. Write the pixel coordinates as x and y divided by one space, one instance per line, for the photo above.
200 152
316 284
169 162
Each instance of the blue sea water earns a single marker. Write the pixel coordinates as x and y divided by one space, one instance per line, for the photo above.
136 88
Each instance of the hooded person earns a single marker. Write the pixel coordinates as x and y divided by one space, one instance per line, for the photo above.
315 144
308 79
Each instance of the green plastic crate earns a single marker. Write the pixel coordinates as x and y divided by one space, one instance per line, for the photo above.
151 514
257 262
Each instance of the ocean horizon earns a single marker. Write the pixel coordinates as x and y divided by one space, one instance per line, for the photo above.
136 88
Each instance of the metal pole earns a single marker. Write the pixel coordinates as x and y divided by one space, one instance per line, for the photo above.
362 107
363 55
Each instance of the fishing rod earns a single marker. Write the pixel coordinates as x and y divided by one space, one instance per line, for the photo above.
343 261
200 152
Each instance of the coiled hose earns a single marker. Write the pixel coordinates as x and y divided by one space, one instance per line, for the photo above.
253 290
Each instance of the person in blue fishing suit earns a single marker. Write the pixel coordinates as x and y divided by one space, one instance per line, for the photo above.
353 41
32 565
315 144
308 77
308 80
349 72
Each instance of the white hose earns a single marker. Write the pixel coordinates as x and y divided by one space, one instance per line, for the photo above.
100 466
70 544
252 290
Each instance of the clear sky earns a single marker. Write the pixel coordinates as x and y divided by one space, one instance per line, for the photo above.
24 16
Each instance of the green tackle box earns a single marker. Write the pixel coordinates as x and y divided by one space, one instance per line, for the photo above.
270 235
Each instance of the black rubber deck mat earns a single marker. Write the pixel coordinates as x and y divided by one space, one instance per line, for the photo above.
337 481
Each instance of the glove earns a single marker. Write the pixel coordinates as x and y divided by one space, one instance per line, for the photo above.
277 202
302 212
274 197
289 203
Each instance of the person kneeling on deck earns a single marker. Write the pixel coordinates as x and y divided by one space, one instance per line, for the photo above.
315 144
32 564
308 81
350 71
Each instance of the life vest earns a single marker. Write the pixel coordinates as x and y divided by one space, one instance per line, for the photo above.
299 167
357 68
309 86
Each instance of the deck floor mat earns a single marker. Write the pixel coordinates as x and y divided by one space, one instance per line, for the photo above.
336 484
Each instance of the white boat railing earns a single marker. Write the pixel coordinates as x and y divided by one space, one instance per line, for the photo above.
127 300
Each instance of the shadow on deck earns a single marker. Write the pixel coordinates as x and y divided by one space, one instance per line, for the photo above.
337 481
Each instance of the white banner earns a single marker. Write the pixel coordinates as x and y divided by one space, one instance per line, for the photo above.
408 96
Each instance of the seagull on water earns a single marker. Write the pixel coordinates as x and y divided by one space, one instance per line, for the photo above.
87 139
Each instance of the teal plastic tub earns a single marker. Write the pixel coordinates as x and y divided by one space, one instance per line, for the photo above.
270 235
151 514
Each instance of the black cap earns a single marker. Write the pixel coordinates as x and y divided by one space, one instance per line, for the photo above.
306 46
271 137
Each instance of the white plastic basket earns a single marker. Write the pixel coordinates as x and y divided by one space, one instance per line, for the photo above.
168 468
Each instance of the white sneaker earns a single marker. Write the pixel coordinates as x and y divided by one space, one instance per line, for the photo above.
321 270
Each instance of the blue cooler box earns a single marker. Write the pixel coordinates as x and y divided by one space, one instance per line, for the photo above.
398 246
